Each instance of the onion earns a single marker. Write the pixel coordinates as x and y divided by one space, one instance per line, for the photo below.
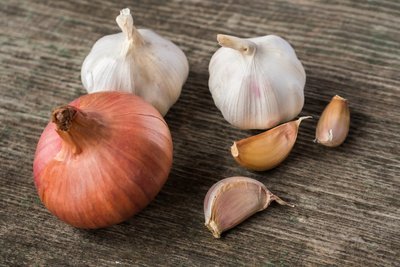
102 159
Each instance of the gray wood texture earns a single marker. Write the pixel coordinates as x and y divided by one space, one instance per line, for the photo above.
347 199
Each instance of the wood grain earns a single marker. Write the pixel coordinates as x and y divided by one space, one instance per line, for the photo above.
347 199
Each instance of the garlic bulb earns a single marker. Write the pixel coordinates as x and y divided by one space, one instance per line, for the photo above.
137 61
257 83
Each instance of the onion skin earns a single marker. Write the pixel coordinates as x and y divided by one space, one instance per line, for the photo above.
107 165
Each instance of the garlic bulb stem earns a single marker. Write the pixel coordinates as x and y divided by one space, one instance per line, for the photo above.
125 22
242 45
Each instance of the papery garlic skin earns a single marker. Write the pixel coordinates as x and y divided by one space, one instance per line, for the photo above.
138 61
257 83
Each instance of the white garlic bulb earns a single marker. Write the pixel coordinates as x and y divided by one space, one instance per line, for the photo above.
137 61
257 83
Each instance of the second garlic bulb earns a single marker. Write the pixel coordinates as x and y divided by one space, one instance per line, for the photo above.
257 83
137 61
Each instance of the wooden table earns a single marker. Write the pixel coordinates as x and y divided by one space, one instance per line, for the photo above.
347 199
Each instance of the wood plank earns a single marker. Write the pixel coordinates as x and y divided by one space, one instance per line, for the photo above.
347 199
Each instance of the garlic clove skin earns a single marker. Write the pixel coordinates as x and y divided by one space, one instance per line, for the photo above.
269 149
232 200
138 61
256 83
334 123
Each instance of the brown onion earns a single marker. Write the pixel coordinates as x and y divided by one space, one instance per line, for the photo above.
102 159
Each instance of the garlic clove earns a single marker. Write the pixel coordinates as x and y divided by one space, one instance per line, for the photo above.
256 83
334 123
137 61
267 150
232 200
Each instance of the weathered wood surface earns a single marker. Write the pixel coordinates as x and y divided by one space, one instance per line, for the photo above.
347 199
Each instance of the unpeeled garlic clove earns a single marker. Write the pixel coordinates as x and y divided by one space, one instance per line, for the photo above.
267 150
232 200
334 123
